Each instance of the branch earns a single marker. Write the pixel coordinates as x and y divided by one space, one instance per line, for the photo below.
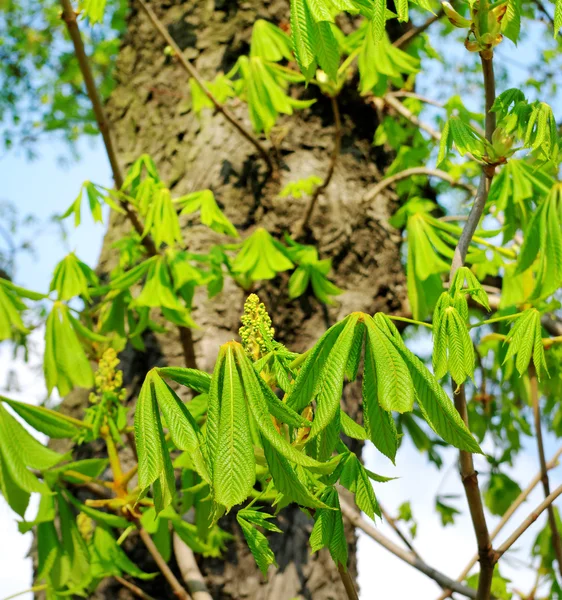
410 116
388 181
407 37
303 225
392 522
134 589
535 399
347 583
190 570
355 518
469 476
528 522
193 73
176 586
69 17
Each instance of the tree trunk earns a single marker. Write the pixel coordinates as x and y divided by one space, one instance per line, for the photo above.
149 115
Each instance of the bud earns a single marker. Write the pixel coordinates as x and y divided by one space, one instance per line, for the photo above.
454 17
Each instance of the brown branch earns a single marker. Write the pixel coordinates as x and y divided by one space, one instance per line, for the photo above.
347 581
176 586
193 73
355 518
407 37
528 522
388 181
469 476
135 589
535 399
302 227
410 116
190 570
70 18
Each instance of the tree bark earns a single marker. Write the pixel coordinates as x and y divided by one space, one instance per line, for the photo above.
148 111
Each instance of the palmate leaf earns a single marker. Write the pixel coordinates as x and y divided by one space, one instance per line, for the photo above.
525 341
354 477
436 407
328 531
211 215
257 542
161 220
453 349
543 239
11 307
260 412
108 558
19 452
286 480
270 42
71 278
65 363
73 544
261 257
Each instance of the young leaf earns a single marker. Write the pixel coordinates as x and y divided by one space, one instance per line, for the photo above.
199 381
354 477
261 257
525 340
211 214
71 278
233 462
258 544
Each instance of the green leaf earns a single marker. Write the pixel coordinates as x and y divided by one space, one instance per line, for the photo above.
286 480
352 429
71 278
354 477
394 384
511 23
234 463
65 363
436 407
379 424
331 384
211 214
73 544
328 531
261 257
198 381
155 466
108 558
269 42
259 409
500 493
525 340
258 544
50 422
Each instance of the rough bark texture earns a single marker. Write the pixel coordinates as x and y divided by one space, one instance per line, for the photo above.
148 111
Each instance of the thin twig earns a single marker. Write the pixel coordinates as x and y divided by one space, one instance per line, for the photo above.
528 522
392 522
193 73
190 570
424 99
135 589
176 586
415 31
469 476
347 581
388 181
355 518
535 399
302 227
410 116
70 18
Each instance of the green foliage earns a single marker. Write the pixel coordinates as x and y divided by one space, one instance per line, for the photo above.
261 257
525 341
